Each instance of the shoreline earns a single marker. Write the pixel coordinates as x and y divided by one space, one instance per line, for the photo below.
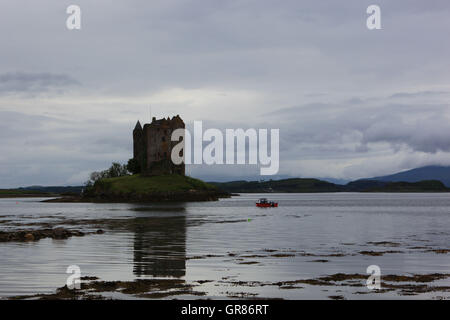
93 288
183 197
190 196
23 235
13 196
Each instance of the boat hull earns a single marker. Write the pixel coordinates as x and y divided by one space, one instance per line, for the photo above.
267 205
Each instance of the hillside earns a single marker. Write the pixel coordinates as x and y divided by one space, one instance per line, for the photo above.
55 189
300 185
385 186
294 185
139 184
17 193
440 173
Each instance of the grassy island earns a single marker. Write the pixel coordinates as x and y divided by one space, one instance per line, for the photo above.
138 188
142 185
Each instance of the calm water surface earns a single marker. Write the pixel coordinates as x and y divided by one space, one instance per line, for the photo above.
231 240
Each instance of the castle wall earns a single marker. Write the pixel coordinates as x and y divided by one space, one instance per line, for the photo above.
138 144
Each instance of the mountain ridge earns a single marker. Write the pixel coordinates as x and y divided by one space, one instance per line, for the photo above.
433 172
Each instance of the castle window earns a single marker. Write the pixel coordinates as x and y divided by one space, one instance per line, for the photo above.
165 154
163 139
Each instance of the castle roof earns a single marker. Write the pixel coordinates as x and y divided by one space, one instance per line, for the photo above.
138 126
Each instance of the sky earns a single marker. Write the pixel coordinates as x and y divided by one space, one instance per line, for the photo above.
349 102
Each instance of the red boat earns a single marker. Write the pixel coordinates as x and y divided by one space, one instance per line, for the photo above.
264 203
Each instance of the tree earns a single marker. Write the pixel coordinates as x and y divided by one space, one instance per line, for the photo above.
133 166
116 170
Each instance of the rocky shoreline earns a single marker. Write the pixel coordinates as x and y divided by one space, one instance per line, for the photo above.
35 235
92 288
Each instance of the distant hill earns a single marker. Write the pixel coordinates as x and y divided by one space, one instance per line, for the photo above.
387 186
55 189
440 173
14 193
284 185
364 185
301 185
335 180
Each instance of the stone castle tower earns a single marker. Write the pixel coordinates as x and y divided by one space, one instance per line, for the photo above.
152 146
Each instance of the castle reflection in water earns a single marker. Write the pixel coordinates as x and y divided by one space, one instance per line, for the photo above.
159 246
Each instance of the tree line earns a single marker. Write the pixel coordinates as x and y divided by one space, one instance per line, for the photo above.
116 170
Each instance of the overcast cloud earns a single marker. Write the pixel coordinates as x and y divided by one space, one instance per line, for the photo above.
349 102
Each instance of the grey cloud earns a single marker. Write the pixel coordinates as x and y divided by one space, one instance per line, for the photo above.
361 102
34 82
428 135
418 94
39 149
333 126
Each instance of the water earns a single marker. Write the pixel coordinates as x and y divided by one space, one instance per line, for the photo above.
224 242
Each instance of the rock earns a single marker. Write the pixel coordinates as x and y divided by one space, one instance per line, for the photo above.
60 233
29 237
89 278
35 235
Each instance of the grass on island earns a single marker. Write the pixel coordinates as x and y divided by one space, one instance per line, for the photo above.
138 184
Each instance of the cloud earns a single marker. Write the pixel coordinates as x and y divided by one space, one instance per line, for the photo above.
428 134
40 149
349 102
20 82
418 94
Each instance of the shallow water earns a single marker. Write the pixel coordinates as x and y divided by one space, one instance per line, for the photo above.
307 236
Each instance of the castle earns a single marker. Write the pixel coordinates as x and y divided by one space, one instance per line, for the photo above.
152 146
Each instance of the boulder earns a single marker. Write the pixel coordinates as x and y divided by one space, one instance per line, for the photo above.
29 237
